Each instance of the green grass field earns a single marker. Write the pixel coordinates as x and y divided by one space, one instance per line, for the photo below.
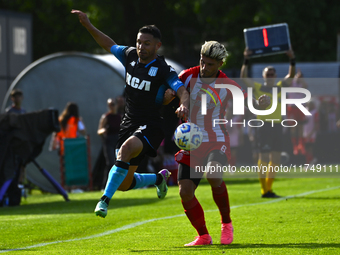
306 222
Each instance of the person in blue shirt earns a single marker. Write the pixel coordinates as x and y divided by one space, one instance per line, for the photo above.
16 97
148 76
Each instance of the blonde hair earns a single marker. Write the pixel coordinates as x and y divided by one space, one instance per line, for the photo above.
214 50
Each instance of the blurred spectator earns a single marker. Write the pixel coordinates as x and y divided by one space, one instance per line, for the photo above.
310 130
328 114
108 130
293 112
332 117
120 102
16 98
326 141
323 112
235 130
71 125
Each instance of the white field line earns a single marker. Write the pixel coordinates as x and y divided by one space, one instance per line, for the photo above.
136 224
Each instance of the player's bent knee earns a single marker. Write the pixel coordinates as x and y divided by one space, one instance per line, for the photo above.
215 181
186 193
186 196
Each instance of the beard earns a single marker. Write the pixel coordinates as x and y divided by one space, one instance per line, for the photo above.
206 74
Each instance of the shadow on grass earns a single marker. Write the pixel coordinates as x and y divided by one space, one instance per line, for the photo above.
73 206
232 181
221 248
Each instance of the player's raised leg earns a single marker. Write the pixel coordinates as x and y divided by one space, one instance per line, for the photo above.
151 136
140 180
130 149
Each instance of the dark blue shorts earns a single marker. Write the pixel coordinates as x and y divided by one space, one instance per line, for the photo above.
151 135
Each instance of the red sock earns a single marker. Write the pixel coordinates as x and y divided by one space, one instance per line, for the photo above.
221 198
195 214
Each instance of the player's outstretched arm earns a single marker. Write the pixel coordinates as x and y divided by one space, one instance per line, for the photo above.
299 77
244 69
183 110
102 39
291 71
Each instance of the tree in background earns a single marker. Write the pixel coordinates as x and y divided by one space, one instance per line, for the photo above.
185 25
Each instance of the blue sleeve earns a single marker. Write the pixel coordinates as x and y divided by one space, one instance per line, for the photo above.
119 52
160 94
174 82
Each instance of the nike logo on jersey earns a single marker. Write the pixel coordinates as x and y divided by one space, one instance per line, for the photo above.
136 83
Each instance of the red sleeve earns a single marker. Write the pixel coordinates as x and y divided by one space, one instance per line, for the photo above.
186 75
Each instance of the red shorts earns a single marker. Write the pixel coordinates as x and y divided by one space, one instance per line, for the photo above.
199 156
294 113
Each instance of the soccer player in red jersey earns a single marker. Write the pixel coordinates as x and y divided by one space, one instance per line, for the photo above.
214 150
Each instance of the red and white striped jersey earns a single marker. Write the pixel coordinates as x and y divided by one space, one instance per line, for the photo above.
217 101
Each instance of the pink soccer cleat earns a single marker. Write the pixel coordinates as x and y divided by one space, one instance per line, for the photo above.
201 240
227 235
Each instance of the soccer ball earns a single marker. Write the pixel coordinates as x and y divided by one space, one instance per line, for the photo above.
188 136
